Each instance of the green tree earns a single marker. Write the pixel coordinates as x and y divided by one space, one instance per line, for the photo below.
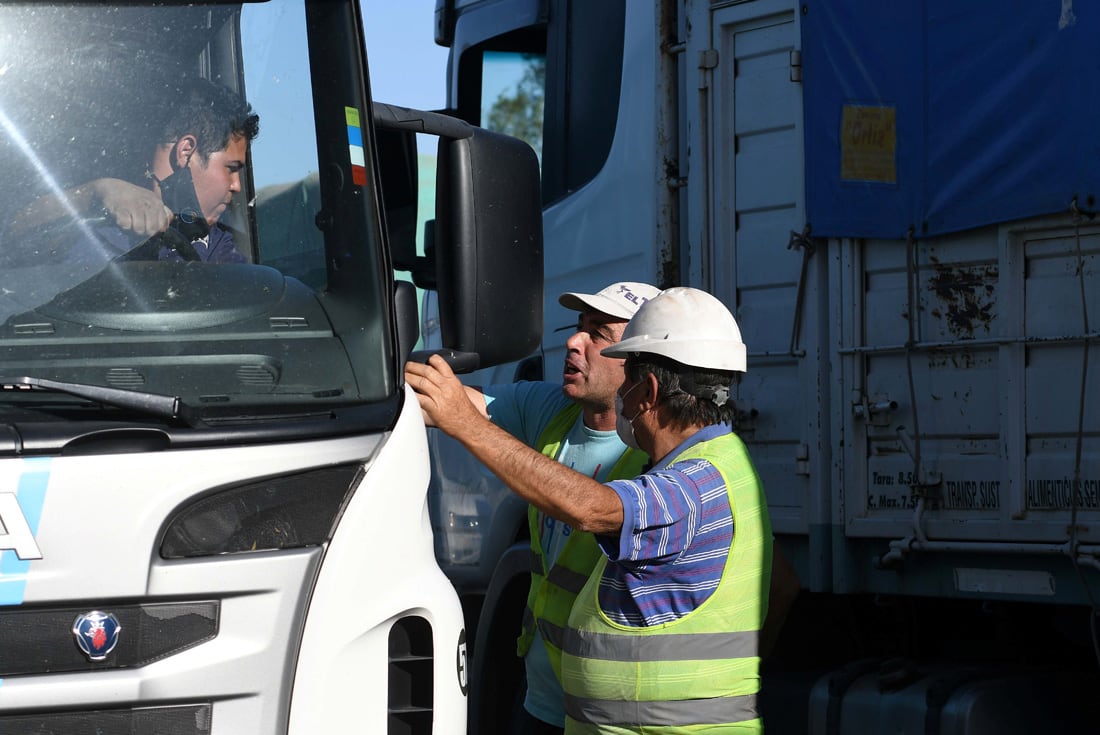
518 112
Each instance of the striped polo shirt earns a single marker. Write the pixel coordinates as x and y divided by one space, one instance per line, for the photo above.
677 530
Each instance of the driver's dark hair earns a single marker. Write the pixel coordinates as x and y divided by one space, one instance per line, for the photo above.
211 112
684 409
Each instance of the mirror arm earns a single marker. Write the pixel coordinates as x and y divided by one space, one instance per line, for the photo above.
393 117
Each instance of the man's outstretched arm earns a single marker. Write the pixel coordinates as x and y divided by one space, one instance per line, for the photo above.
551 487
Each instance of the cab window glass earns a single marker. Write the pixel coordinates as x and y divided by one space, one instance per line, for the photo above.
185 208
513 95
284 159
554 84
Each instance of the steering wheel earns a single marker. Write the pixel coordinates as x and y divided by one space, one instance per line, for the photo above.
171 239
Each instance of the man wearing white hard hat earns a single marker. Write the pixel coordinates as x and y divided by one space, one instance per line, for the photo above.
572 422
665 635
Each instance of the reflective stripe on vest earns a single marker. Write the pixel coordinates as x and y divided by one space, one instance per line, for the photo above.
553 591
717 711
671 647
568 579
691 674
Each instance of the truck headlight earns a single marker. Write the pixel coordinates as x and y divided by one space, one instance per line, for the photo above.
281 512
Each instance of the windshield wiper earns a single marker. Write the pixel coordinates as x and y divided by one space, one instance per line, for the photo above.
153 404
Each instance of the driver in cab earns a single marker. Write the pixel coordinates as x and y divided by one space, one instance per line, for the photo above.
190 179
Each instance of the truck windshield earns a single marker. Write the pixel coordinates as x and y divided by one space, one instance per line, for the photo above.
188 205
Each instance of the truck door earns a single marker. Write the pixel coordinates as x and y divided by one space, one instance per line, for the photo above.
746 244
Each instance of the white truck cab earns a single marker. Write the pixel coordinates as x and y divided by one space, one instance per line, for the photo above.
213 512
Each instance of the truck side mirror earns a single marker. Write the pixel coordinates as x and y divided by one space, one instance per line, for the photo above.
488 238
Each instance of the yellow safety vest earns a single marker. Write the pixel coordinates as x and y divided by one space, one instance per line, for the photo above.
697 674
553 590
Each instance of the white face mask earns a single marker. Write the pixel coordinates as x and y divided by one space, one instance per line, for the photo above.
624 427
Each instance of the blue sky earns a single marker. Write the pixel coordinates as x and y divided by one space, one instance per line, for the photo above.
406 67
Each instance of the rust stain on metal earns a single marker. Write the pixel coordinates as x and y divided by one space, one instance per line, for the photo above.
966 294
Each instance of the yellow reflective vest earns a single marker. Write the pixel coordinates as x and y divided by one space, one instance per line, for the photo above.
553 590
699 673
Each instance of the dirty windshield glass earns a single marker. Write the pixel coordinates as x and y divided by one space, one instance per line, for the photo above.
178 216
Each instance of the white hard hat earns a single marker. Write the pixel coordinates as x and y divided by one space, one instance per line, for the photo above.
622 299
686 325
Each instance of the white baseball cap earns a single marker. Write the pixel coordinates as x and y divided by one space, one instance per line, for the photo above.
622 299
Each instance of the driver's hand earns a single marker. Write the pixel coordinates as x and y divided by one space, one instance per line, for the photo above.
131 207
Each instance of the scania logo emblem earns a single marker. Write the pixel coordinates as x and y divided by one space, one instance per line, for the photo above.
96 634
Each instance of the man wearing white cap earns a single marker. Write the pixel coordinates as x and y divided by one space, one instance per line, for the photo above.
574 424
641 650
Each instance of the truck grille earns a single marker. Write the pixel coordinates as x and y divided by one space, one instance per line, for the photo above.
176 720
40 640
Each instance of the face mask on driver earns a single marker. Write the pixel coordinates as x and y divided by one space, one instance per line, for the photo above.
624 427
177 191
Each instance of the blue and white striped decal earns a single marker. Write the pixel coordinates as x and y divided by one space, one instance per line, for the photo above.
31 494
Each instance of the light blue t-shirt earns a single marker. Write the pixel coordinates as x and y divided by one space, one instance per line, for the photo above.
524 410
